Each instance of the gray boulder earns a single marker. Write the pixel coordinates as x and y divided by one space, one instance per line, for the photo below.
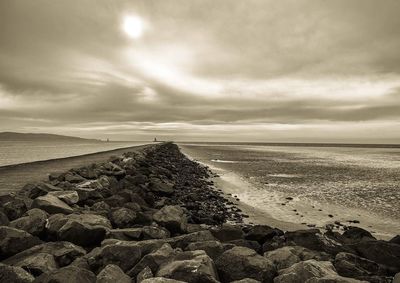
34 190
13 241
123 218
305 270
81 234
212 248
240 263
14 208
4 219
171 217
161 188
146 273
112 274
12 274
126 234
191 267
261 233
52 205
38 263
69 197
34 222
155 232
69 274
351 265
227 232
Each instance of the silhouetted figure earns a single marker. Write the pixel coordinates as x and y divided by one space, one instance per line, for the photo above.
155 140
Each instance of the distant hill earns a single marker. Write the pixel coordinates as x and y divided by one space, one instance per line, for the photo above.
12 136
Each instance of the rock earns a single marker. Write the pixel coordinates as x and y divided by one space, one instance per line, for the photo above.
395 240
123 218
287 256
304 270
69 197
69 274
123 254
171 217
159 187
161 280
73 178
144 274
112 274
246 243
261 233
14 208
381 252
153 260
334 279
227 232
81 234
126 234
34 190
52 205
34 222
351 265
38 263
240 262
154 232
356 234
312 239
12 274
396 278
4 219
246 280
88 172
64 253
184 240
100 206
212 248
13 241
191 267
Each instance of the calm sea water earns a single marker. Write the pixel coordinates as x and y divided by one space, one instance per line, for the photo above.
365 179
17 152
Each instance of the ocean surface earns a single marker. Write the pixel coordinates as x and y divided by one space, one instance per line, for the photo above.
314 185
16 152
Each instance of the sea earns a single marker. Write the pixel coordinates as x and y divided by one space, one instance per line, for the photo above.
313 184
17 152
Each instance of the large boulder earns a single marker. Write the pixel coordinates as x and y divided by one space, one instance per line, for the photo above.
126 234
382 252
34 222
4 221
38 263
351 265
313 239
261 233
13 241
14 208
69 274
81 233
227 232
112 274
155 232
146 273
123 254
212 248
69 197
240 262
34 190
63 252
287 256
172 217
161 188
12 274
356 234
52 205
153 260
123 218
191 267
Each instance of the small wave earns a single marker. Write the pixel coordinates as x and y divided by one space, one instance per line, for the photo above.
284 175
223 161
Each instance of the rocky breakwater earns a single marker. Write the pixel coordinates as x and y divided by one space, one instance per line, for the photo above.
155 216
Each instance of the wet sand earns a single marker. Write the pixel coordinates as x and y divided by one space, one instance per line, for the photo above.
14 177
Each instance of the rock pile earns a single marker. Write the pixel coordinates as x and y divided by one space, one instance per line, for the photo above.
155 216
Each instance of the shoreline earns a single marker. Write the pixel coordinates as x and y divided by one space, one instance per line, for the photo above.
13 177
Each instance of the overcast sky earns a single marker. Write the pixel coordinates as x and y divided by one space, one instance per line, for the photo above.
202 70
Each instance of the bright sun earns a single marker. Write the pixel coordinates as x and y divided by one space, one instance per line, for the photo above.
133 26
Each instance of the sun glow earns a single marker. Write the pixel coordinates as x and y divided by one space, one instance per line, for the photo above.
133 26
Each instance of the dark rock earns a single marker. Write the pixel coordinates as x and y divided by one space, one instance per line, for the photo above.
69 197
227 232
123 217
52 205
15 208
88 172
171 217
212 248
240 262
13 241
73 178
64 253
34 222
12 274
356 234
154 232
191 267
395 240
351 265
4 219
246 243
37 264
313 239
112 274
69 274
81 233
261 233
160 187
126 234
275 243
100 206
34 190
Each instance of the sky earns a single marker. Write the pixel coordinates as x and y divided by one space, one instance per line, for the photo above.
226 70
